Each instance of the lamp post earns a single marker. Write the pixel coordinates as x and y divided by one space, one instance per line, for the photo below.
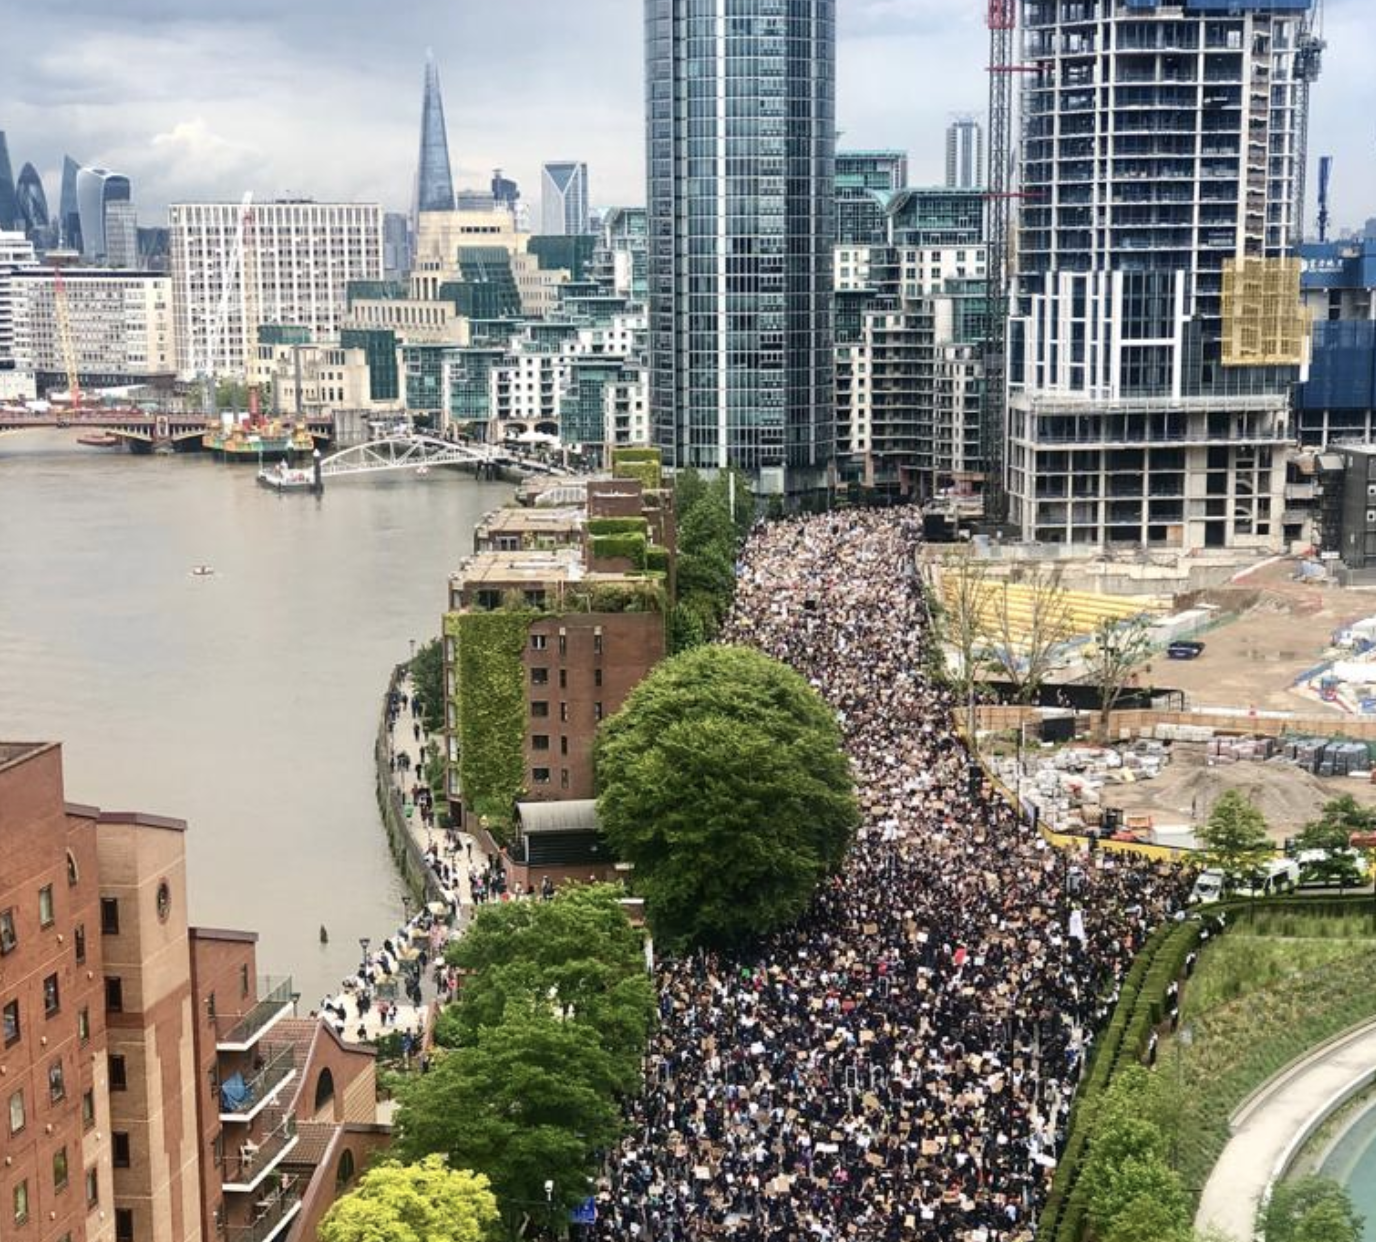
363 943
413 648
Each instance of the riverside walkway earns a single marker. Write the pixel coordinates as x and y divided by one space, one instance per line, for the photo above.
1266 1127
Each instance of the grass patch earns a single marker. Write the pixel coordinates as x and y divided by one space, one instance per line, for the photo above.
1283 996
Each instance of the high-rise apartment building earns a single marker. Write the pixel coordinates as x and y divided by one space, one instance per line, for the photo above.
16 376
1156 328
290 263
154 1088
865 181
564 198
741 145
964 154
434 178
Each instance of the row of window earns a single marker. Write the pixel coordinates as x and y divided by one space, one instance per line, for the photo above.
540 642
540 677
124 1217
539 709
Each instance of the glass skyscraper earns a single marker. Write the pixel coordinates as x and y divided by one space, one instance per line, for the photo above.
434 179
741 142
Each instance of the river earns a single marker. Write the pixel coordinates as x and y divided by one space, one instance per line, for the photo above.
246 702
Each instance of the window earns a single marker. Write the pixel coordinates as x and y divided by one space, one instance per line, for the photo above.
7 937
45 906
88 1109
597 711
92 1187
243 979
563 778
539 741
563 746
114 994
538 642
83 1025
21 1202
597 641
73 875
164 901
119 1148
563 679
563 642
539 677
79 936
119 1076
60 1169
539 708
109 916
52 997
540 776
597 677
124 1225
563 711
57 1088
11 1021
17 1118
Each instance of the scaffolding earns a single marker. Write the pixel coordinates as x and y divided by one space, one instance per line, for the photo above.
1265 324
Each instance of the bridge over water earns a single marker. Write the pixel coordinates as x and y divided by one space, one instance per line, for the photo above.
141 432
419 453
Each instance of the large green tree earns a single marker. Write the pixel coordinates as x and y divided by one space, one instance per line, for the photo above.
423 1202
427 675
710 531
723 782
533 1100
577 954
1311 1209
1234 837
1331 834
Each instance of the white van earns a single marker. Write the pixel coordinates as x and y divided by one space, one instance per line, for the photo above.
1280 875
1207 888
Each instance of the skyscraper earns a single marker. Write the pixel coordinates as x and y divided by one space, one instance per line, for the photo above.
9 205
964 154
865 182
33 203
564 199
434 180
68 211
109 230
1156 326
742 221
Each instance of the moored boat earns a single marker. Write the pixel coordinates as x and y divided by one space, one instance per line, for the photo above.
284 478
100 439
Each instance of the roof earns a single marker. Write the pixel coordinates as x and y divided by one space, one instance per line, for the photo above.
530 567
540 520
547 818
224 933
13 752
313 1141
1330 461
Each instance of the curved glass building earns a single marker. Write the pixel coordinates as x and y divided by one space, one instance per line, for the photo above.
33 203
109 233
9 207
68 215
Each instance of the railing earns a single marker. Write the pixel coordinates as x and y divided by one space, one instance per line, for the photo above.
271 1213
240 1031
251 1163
281 1064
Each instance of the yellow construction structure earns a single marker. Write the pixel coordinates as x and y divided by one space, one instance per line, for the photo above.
1265 324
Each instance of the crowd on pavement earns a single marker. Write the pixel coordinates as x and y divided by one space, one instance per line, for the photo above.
899 1065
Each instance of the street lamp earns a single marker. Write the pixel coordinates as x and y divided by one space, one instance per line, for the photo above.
413 648
363 943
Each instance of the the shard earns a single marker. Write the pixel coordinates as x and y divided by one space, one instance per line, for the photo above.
434 180
9 203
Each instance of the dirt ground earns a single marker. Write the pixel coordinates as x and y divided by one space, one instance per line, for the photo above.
1286 795
1283 628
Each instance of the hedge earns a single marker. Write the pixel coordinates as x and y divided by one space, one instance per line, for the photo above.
644 464
657 559
617 526
490 693
631 546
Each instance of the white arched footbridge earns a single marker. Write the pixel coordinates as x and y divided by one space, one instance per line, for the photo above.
419 453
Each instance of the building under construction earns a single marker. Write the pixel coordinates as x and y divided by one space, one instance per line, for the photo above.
1156 327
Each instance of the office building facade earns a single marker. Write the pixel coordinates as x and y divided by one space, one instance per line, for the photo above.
109 227
9 198
1156 328
564 201
865 182
742 222
291 264
964 154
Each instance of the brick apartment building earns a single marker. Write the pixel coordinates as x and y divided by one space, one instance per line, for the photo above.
592 575
156 1090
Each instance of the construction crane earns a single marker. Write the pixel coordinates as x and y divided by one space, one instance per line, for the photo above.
1002 20
249 269
218 327
1325 176
64 335
1309 46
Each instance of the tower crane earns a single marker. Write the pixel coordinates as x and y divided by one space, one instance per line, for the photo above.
64 335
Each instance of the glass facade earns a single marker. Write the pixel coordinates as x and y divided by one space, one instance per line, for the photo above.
69 214
434 180
9 203
33 203
865 182
741 140
380 347
564 199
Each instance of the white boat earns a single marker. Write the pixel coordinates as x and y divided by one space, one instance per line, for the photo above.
422 471
203 571
284 478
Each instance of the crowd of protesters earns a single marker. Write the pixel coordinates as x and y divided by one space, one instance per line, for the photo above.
899 1065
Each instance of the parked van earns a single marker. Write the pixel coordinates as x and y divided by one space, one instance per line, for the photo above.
1208 887
1281 875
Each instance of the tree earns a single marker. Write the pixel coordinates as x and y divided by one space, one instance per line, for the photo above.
708 540
1234 837
966 602
1310 1209
423 1202
724 784
1029 627
427 675
534 1099
1331 835
578 955
1120 648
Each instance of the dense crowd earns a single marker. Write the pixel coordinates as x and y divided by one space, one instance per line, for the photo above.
900 1065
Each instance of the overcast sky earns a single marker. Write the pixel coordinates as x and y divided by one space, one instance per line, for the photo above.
321 98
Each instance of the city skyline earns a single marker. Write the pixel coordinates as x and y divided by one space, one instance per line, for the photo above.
248 98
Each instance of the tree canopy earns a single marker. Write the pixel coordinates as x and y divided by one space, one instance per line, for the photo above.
1119 649
578 954
423 1202
724 783
534 1099
1234 836
709 537
1331 833
427 675
1311 1209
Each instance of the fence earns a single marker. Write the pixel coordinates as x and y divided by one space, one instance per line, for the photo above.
406 850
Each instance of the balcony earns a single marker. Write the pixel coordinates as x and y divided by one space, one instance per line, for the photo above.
272 1215
249 1167
244 1100
240 1032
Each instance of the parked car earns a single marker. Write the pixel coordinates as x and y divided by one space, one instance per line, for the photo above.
1185 650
